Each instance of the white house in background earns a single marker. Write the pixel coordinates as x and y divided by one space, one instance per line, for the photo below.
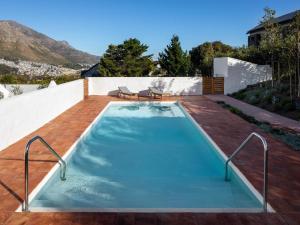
238 73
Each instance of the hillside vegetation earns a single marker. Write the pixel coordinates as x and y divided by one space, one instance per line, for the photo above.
275 99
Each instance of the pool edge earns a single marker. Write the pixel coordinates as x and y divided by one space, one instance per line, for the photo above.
256 193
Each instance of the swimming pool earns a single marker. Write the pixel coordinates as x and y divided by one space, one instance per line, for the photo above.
142 156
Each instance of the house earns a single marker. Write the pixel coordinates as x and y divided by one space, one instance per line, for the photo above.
255 34
91 72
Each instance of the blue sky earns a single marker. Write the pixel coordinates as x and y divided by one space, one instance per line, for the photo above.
91 25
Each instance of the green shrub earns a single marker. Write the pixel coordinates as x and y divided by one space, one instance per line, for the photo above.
8 79
240 94
257 94
42 86
254 100
275 99
288 106
283 88
267 97
17 90
279 106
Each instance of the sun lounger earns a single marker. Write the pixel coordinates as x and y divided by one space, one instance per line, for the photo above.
144 94
125 91
155 92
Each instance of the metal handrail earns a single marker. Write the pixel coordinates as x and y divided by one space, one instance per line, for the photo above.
265 145
61 162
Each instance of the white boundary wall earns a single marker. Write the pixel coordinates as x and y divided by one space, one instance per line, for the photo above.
238 74
170 85
20 115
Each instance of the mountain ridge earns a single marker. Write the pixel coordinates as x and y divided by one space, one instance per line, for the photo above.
18 41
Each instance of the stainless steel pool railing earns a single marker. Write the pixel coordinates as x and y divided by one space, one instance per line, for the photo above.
61 162
265 146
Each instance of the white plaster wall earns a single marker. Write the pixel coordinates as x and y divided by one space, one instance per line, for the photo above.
238 74
20 115
171 85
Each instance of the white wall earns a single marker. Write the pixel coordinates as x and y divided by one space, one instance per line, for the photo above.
238 74
172 85
23 114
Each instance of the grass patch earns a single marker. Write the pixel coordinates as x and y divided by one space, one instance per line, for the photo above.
288 137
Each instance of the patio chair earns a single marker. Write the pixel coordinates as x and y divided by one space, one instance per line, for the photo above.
155 92
123 90
144 94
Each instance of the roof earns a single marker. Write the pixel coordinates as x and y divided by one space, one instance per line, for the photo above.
281 19
91 72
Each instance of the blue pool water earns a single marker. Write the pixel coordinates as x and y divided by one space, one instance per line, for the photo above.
144 156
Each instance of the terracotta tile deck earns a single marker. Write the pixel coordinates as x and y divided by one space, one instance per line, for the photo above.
225 128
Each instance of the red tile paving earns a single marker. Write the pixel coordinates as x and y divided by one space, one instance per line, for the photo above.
225 128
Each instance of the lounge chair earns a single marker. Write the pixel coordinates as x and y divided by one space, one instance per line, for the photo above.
144 94
155 92
125 92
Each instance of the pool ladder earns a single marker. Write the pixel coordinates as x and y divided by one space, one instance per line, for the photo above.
265 146
61 162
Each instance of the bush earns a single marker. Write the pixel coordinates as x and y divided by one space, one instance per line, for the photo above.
254 100
288 107
267 96
258 93
17 90
8 79
282 104
240 94
283 88
278 106
4 69
42 86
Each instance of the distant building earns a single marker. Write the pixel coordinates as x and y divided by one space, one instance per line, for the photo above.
91 72
255 34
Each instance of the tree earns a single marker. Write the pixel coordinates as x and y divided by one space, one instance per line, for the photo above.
296 32
271 39
202 59
4 69
126 59
288 54
250 54
203 55
174 60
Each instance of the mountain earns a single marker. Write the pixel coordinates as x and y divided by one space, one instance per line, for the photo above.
20 42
